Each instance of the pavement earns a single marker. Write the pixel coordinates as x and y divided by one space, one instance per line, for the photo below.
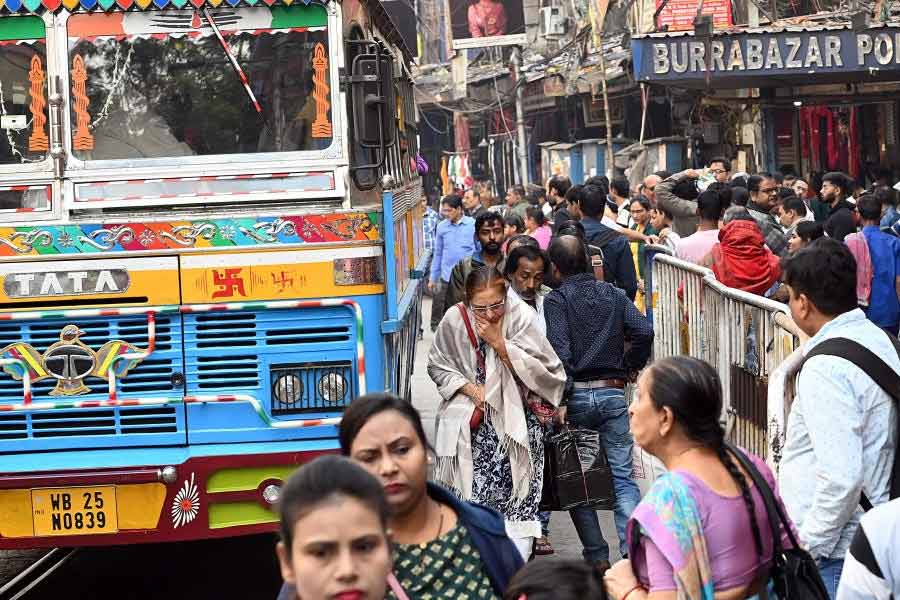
426 399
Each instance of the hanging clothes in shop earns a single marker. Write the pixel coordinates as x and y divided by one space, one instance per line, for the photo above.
841 151
446 186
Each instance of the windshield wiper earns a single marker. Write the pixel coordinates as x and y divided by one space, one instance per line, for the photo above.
234 63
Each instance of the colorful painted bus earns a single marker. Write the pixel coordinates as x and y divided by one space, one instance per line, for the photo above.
210 241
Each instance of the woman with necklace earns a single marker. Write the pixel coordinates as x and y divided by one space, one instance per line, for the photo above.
443 547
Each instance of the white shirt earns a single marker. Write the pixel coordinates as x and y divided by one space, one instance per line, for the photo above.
840 439
538 312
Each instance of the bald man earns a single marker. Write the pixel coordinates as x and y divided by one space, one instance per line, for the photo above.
648 188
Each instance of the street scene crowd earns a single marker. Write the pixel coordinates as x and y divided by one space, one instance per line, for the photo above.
539 313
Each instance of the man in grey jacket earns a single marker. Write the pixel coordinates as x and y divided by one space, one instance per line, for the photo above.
683 210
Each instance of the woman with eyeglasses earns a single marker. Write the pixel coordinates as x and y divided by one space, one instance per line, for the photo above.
500 380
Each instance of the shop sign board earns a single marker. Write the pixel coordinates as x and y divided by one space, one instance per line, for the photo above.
678 15
742 55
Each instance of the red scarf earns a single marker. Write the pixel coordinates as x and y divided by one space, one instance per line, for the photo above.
742 261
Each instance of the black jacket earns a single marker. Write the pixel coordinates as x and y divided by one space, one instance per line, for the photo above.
618 262
840 222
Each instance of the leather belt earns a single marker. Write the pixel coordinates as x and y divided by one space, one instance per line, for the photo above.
600 383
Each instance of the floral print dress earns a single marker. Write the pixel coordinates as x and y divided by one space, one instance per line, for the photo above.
493 483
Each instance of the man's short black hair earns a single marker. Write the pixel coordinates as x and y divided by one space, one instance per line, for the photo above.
600 181
795 204
838 179
825 272
518 190
711 204
528 253
452 200
568 256
620 186
593 201
887 196
575 193
535 193
778 177
561 184
487 216
721 159
514 221
686 189
869 207
754 182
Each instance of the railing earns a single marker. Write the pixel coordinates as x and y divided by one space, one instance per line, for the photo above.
744 336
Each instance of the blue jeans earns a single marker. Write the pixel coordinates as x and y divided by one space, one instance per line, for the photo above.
830 569
604 410
544 516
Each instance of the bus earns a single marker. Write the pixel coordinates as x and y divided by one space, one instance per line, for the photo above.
210 242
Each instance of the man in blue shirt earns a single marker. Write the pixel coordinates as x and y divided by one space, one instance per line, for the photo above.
884 251
454 240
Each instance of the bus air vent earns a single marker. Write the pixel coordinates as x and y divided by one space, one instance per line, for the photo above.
228 371
308 335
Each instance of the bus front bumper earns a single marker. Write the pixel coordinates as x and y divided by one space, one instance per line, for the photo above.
216 491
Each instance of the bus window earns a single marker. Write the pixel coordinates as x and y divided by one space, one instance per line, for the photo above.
23 91
162 84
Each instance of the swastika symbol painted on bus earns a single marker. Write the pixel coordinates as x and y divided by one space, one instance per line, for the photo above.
284 282
229 282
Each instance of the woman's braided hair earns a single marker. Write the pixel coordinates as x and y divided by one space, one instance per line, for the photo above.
692 390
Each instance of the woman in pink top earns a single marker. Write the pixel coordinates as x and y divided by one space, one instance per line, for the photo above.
536 225
702 530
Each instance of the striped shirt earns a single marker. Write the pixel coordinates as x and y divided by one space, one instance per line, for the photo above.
872 567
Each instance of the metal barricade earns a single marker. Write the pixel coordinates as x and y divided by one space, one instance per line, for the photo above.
744 336
678 306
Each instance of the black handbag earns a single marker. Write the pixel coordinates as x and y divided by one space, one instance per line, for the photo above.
794 573
576 471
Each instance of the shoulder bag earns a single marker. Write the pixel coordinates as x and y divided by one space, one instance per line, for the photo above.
478 413
794 573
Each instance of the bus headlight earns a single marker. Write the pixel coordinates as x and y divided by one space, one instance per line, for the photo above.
332 387
288 389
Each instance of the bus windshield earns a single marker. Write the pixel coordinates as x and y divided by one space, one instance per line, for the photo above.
23 91
169 84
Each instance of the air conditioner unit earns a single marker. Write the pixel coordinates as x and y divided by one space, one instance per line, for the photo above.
552 22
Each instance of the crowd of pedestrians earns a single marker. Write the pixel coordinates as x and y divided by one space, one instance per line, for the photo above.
539 318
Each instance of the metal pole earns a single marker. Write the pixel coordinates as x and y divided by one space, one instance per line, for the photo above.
610 167
521 145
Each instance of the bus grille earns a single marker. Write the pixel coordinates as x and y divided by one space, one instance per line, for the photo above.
160 375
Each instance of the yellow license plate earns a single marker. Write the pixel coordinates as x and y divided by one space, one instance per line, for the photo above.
74 511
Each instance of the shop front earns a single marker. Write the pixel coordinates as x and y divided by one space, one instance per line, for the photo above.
825 98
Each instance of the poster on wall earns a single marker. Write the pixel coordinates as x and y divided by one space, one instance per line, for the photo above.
481 23
678 15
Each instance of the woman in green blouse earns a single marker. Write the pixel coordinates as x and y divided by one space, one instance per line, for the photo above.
443 547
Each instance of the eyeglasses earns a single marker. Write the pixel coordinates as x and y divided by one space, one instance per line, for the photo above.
483 310
717 171
773 190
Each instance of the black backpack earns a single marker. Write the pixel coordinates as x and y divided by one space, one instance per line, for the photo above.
883 375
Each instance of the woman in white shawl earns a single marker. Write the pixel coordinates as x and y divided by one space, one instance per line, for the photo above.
500 380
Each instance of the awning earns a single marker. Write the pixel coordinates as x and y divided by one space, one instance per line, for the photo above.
769 57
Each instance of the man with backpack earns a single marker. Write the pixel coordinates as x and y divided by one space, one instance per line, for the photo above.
840 444
618 264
